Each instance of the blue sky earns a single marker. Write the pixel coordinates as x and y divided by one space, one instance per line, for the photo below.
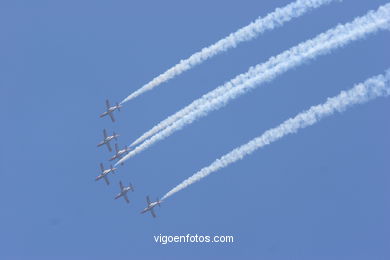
320 194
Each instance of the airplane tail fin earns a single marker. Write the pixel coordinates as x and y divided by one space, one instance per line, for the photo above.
159 202
118 106
115 136
112 169
131 187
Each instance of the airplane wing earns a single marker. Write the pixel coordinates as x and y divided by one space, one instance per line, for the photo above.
112 116
148 200
109 147
102 167
106 179
104 134
121 185
126 198
107 104
152 211
116 148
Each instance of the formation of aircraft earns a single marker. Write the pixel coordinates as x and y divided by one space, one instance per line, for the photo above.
109 110
124 191
108 139
104 173
118 155
151 206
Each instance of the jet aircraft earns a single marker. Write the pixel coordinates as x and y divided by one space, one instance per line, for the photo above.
124 191
105 173
151 205
108 139
109 110
119 153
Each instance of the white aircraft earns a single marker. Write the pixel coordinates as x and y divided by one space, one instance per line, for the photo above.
120 153
105 173
124 191
110 110
108 139
150 206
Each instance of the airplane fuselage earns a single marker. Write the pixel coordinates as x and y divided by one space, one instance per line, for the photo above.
145 210
107 140
101 175
119 154
122 193
116 156
150 207
106 172
119 195
110 110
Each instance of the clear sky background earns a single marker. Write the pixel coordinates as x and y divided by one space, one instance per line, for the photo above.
320 194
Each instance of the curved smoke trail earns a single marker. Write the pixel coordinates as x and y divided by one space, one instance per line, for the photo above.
275 19
372 88
320 45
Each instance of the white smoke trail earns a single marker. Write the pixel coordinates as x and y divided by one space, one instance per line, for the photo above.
322 44
275 19
370 89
